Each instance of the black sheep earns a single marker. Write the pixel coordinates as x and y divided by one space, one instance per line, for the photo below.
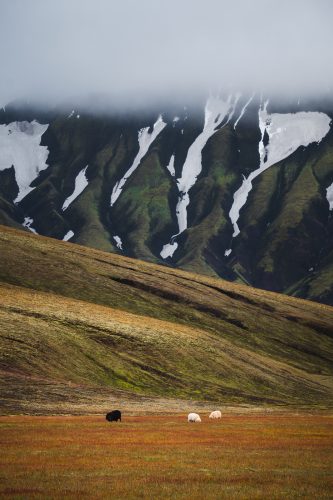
113 416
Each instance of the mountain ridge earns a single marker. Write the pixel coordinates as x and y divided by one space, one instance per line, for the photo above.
285 242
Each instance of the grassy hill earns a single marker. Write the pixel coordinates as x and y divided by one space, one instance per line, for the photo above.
80 326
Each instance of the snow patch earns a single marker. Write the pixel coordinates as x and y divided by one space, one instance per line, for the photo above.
118 241
329 196
286 133
243 111
215 111
171 167
168 250
68 235
232 109
28 221
20 147
145 140
81 182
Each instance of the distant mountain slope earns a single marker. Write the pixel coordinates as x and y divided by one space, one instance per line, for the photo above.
75 315
238 187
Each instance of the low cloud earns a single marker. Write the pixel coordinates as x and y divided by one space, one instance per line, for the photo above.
138 51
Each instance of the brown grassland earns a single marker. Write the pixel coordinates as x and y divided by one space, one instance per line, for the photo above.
268 456
83 332
79 328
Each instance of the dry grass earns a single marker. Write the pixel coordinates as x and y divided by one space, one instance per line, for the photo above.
77 322
47 337
242 456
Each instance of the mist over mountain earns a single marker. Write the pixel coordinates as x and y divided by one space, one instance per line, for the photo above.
137 53
195 134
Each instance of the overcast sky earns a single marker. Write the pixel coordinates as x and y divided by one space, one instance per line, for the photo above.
58 49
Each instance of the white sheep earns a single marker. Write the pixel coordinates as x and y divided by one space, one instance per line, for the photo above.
193 417
215 414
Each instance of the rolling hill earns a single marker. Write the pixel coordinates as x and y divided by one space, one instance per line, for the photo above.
81 327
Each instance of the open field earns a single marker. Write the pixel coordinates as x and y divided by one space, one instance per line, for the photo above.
242 456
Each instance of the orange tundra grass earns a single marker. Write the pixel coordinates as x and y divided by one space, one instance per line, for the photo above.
247 456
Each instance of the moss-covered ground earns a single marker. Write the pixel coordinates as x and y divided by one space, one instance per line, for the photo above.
74 315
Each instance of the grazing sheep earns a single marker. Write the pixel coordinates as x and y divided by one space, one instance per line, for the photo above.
113 416
215 414
193 417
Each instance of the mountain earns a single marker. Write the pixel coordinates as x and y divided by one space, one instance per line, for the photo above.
237 186
80 326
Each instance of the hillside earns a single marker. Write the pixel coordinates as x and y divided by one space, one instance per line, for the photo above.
79 325
236 186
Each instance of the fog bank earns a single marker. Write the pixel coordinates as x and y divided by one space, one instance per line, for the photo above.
131 51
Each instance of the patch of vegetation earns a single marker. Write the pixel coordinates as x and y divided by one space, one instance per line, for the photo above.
78 315
144 211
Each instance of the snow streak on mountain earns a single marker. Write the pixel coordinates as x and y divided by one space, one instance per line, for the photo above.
20 147
216 111
242 188
285 133
81 182
145 138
